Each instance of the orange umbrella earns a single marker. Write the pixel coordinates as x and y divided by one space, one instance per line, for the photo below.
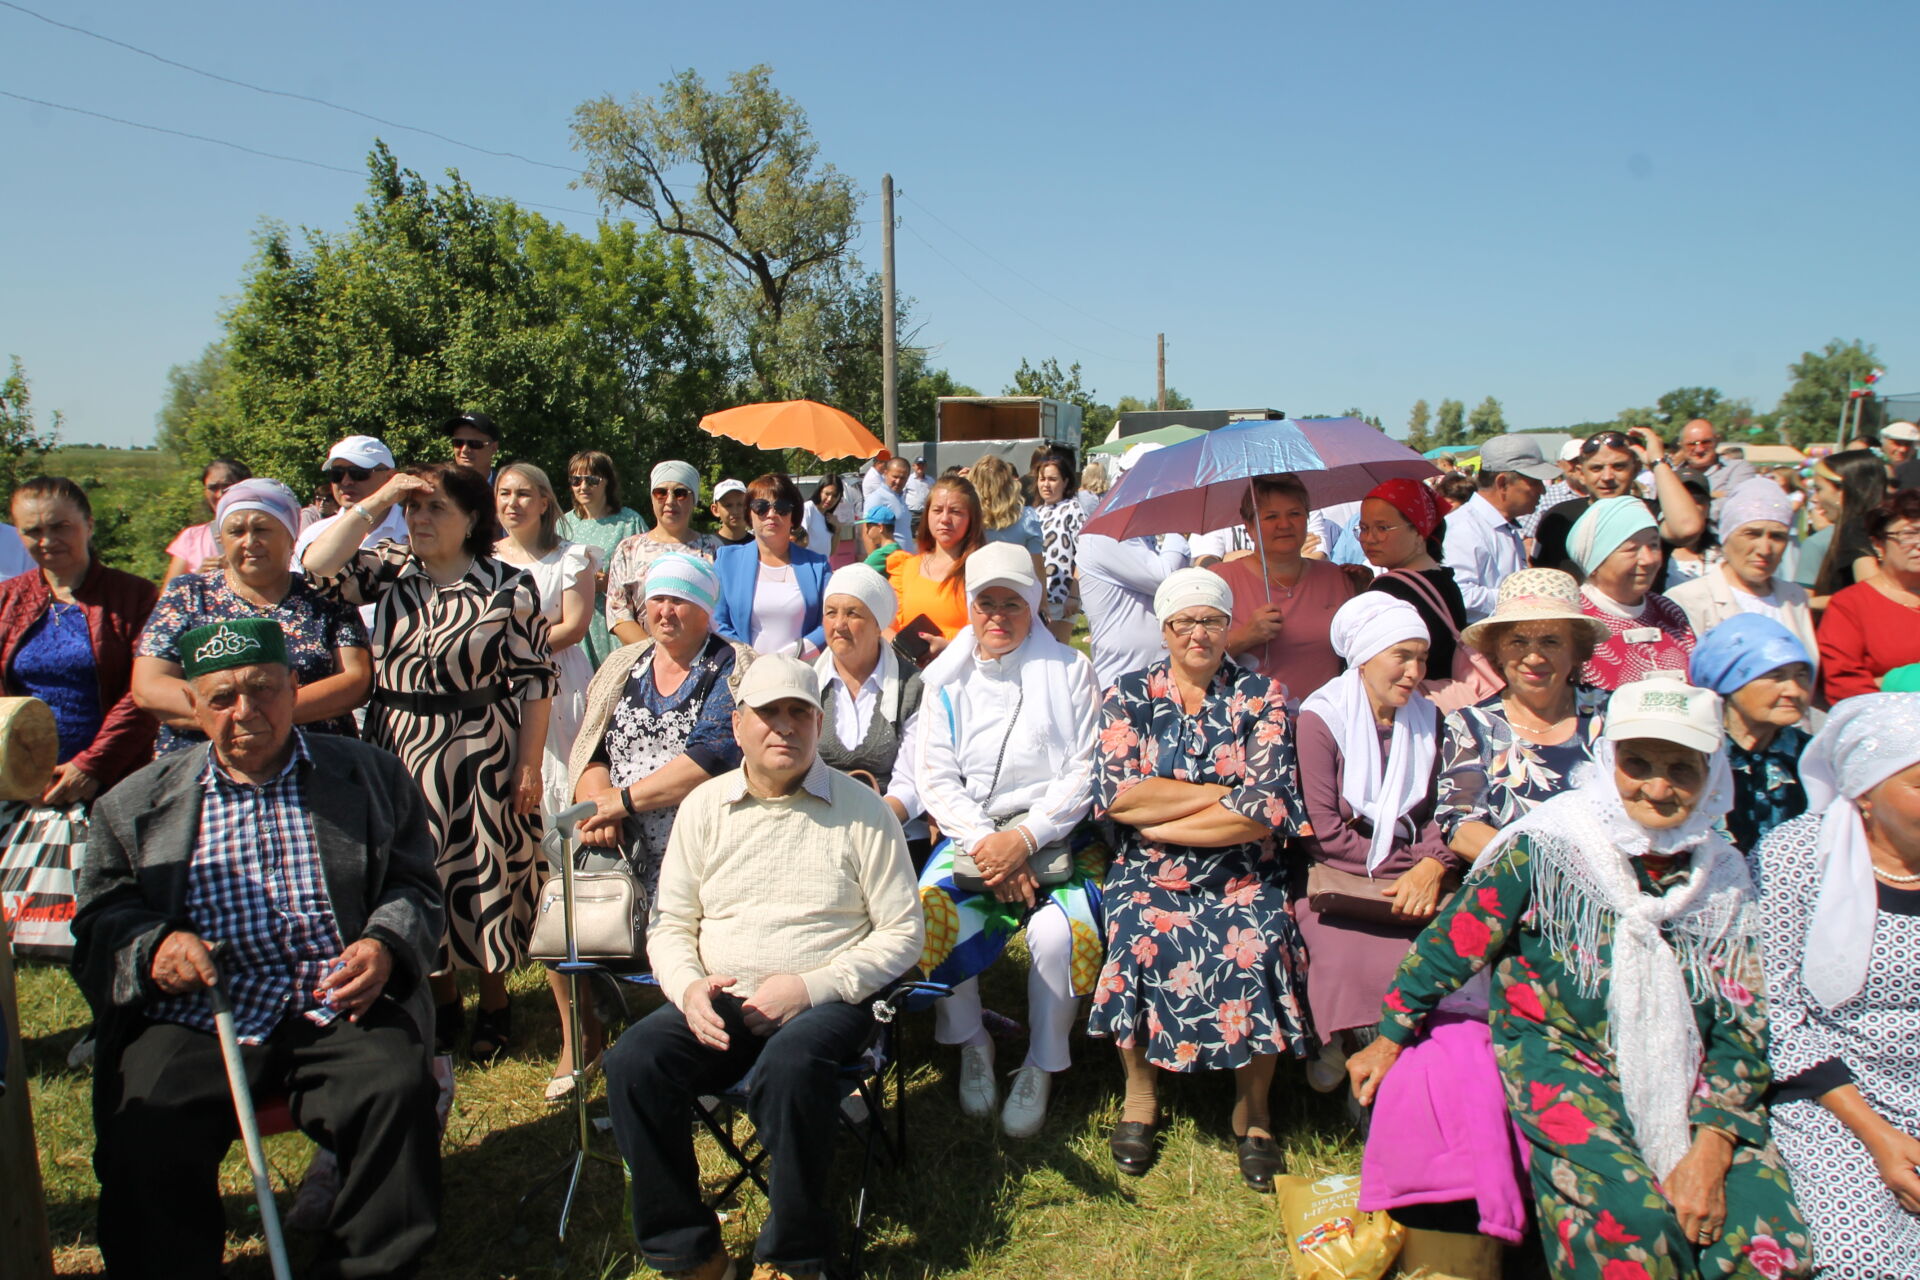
820 429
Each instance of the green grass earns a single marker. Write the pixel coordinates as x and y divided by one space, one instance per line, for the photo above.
970 1203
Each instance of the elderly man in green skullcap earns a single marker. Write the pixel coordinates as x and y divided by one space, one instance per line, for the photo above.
308 858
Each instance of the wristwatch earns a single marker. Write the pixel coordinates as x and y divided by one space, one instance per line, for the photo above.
364 514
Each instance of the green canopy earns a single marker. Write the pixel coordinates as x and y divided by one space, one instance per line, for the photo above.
1159 435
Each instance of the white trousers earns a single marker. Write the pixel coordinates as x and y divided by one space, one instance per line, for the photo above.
1051 1005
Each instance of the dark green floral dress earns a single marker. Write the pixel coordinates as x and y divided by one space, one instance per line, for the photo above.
1601 1211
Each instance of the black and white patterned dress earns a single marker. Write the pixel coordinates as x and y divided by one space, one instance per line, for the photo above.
1860 1232
1059 536
482 632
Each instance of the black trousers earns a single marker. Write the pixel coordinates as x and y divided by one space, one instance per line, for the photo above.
163 1120
658 1068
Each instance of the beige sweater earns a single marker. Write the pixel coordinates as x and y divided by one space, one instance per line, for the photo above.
816 884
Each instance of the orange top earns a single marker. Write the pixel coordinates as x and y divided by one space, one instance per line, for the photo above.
944 603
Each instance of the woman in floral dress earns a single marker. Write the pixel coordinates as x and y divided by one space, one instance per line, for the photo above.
1623 941
1205 969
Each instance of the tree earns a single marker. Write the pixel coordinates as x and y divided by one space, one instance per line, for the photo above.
1487 420
436 299
734 175
1417 438
198 411
1140 404
1048 379
1810 409
23 445
1451 423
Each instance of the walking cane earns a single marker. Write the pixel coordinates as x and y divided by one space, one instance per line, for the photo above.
249 1123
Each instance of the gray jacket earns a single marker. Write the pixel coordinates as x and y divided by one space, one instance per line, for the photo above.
376 851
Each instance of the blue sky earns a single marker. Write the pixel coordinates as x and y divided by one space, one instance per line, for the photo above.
1571 208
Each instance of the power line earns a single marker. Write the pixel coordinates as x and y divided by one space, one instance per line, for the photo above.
236 146
1003 302
284 93
1032 284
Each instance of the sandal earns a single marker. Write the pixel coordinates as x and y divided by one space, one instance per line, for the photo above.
447 1023
492 1033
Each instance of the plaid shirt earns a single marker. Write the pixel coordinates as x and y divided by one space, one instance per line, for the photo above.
1557 492
256 884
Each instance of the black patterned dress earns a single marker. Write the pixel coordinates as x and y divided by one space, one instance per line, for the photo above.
483 632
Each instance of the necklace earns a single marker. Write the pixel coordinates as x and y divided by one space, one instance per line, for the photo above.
1894 879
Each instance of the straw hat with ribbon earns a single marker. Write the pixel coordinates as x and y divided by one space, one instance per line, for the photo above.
1537 595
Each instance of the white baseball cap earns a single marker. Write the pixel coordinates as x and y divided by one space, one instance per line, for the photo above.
726 487
1901 431
774 676
361 451
1570 451
1665 706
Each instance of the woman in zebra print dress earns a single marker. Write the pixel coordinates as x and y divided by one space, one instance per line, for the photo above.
463 683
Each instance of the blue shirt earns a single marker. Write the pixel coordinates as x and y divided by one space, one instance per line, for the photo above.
256 883
55 664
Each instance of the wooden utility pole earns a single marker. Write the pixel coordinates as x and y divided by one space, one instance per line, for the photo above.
1160 381
889 357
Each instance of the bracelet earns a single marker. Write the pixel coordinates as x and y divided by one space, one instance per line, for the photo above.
1027 839
626 800
364 514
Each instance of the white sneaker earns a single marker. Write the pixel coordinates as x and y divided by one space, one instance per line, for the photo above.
1328 1071
977 1092
1026 1108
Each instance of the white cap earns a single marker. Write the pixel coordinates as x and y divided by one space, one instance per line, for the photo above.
1570 451
1665 706
773 676
1901 431
361 451
726 487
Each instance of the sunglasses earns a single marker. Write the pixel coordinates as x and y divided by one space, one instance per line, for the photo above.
1604 440
468 442
356 474
591 482
674 494
777 506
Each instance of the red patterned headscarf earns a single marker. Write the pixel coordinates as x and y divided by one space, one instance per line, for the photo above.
1413 500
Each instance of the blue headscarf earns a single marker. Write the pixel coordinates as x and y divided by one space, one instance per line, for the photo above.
1741 649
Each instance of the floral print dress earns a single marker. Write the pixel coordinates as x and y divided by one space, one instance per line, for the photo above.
1602 1214
1205 967
1490 774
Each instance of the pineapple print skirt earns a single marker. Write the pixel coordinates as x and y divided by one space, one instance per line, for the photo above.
966 932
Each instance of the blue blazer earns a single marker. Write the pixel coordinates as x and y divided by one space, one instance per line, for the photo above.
738 568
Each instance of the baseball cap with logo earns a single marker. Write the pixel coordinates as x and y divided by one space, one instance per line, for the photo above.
1665 706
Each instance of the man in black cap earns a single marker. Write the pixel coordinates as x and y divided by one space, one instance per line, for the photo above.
308 857
475 438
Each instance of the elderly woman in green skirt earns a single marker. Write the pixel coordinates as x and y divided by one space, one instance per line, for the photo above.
1622 937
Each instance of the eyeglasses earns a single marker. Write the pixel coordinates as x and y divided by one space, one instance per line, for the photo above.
1214 624
591 482
1904 538
356 474
776 506
1378 530
1005 610
468 442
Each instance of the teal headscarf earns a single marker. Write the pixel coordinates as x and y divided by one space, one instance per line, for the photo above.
1606 524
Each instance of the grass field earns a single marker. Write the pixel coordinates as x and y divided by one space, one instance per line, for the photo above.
971 1202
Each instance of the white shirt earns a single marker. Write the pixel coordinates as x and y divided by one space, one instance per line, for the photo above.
853 711
917 491
779 611
14 559
874 488
1117 582
394 526
1219 543
1047 769
814 521
1482 548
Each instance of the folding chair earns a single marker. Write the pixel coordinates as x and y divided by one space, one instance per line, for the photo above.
877 1078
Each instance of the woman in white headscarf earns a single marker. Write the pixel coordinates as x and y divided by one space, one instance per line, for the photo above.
1368 745
1205 969
1623 944
1840 919
1006 769
675 489
871 697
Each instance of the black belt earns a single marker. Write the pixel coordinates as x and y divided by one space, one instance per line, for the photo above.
440 704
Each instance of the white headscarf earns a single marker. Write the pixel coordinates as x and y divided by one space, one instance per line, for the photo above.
868 587
1364 627
1867 739
1187 588
1669 951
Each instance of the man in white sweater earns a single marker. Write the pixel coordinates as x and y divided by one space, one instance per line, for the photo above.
786 902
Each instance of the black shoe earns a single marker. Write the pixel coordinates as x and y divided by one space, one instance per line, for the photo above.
492 1033
447 1023
1259 1162
1132 1146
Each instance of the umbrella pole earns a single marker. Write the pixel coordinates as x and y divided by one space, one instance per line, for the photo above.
1260 547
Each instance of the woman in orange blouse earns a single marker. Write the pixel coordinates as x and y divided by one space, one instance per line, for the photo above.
933 582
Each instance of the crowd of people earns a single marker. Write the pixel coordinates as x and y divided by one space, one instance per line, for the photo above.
1566 813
